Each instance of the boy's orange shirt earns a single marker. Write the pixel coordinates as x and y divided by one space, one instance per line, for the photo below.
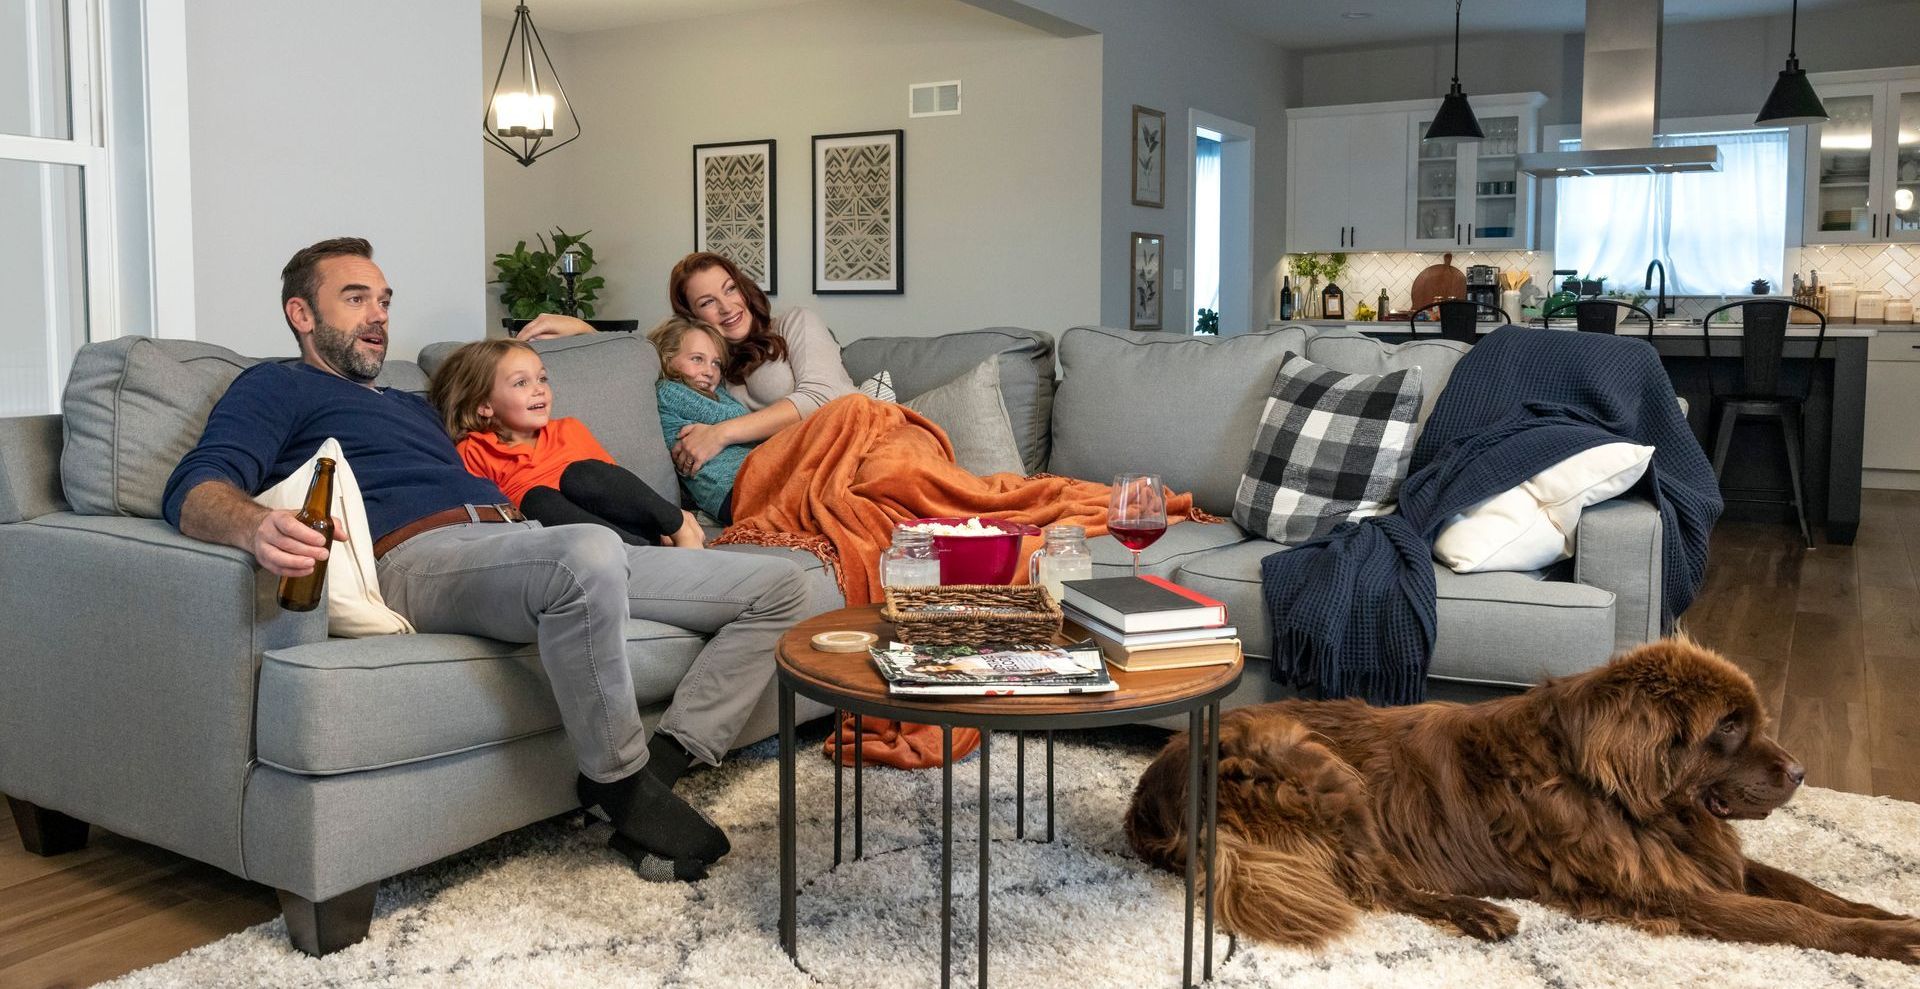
519 469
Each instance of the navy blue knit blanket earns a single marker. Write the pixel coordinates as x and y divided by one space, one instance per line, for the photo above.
1353 611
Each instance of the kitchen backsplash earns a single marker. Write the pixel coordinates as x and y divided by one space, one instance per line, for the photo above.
1368 273
1890 268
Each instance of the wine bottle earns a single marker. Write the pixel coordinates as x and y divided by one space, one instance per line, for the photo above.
303 593
1286 297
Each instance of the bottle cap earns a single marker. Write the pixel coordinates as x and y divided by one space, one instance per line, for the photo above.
844 641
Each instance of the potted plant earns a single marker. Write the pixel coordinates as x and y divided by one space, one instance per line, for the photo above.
1208 324
531 282
1311 268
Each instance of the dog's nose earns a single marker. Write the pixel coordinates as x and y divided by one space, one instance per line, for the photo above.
1796 773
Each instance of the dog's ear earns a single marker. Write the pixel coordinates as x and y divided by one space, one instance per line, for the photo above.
1617 740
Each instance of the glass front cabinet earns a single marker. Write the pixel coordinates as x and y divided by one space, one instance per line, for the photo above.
1863 162
1468 194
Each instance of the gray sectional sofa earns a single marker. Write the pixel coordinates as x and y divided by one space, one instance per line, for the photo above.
152 687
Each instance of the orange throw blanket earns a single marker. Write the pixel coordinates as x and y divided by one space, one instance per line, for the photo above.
837 484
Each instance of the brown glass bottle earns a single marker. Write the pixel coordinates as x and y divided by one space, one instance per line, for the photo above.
303 593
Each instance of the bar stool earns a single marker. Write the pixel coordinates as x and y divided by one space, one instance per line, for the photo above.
1459 319
1763 342
1597 315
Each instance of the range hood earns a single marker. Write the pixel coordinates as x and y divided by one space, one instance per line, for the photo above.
1620 101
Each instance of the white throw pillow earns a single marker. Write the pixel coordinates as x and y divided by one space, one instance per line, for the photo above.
355 608
1533 525
974 414
879 387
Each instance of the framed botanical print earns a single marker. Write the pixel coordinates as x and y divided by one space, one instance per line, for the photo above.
859 240
733 206
1144 288
1149 157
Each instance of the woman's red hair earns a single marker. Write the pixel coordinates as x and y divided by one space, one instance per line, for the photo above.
761 343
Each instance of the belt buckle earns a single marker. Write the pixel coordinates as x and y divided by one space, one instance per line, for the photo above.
473 514
508 513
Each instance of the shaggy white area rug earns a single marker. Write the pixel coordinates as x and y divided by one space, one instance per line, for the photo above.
549 906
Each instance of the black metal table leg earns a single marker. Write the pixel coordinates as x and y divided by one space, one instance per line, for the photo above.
986 841
789 885
1193 841
1049 787
946 856
1213 827
1020 785
838 769
859 764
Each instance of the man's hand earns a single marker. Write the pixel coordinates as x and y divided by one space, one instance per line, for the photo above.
218 512
549 326
288 547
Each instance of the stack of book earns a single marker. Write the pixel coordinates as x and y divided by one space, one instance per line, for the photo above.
1147 623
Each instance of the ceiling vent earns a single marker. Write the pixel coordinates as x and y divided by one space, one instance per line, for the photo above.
933 99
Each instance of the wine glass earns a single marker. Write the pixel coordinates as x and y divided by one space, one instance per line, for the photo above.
1137 512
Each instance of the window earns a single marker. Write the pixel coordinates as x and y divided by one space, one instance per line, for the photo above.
1715 231
1206 225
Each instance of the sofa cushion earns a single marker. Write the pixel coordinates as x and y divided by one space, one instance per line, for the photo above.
1502 629
1357 353
346 705
605 380
134 406
1184 408
973 414
355 606
1331 447
920 364
1182 542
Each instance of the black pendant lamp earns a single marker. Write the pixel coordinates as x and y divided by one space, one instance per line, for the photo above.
522 112
1793 100
1455 119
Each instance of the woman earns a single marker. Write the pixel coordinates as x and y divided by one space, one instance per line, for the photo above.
787 367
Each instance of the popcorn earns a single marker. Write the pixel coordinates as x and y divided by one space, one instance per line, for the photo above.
971 527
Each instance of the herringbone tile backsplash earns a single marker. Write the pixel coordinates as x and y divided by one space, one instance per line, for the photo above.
1890 268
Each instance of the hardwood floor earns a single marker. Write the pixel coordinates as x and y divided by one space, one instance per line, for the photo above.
1831 636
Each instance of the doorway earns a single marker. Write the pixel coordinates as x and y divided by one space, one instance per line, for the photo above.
1220 221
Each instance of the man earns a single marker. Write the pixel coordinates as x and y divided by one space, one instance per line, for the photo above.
569 588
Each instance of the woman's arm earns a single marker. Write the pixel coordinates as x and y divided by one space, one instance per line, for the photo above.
548 326
701 442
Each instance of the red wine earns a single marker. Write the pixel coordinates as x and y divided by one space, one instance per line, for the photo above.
1137 536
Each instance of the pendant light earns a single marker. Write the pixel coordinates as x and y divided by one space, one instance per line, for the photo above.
1793 100
1455 119
524 112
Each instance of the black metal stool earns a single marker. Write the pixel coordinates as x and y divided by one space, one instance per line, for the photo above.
1597 315
1763 341
1459 319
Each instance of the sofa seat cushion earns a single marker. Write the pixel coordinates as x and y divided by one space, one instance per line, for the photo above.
1182 542
346 705
1503 629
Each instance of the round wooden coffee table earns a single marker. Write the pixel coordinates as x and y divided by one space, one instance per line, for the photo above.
848 682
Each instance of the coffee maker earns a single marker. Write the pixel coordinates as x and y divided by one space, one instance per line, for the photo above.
1483 286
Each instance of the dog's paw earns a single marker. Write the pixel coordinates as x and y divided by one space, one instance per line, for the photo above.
1897 940
1485 921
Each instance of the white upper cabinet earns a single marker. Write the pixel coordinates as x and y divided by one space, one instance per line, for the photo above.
1469 194
1863 163
1346 181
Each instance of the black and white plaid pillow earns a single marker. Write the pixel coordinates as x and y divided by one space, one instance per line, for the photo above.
1331 447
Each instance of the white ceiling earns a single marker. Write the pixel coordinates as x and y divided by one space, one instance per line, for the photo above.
1293 24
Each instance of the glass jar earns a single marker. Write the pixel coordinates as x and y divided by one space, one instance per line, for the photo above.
1064 557
911 561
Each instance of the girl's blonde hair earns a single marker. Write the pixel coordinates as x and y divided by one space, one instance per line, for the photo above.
668 336
465 381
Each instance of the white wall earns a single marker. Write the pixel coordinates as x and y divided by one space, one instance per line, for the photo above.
354 117
1000 211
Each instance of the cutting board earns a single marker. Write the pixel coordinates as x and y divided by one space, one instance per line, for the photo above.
1439 281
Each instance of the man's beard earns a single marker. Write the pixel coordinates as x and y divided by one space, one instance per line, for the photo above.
335 346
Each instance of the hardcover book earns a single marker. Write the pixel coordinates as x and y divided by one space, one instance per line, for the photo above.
1142 604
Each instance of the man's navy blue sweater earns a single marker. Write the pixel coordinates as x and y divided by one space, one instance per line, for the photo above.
274 416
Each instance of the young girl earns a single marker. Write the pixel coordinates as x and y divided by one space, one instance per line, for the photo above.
693 362
494 398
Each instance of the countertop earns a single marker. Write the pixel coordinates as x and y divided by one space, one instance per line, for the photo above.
1633 328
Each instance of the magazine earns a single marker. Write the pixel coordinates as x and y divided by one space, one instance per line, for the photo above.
988 671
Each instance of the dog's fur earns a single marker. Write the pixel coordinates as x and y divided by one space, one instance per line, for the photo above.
1604 794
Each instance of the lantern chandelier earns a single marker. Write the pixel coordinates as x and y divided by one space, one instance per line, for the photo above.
525 115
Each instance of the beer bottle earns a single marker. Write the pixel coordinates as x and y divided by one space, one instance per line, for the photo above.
303 593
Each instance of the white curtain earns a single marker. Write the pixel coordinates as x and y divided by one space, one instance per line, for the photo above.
1715 231
1206 226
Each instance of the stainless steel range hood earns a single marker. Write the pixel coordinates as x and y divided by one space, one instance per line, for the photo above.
1620 101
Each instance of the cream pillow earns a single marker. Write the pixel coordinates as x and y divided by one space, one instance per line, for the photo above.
879 387
355 608
1533 525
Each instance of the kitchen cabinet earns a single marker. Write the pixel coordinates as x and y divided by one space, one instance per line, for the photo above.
1893 406
1469 194
1863 163
1346 185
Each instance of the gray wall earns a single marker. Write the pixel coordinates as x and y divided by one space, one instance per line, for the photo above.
354 117
999 212
1169 56
1706 67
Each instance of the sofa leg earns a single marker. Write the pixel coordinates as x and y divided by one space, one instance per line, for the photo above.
47 832
325 927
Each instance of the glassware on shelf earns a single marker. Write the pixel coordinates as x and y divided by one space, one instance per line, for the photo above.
912 560
1137 512
1064 557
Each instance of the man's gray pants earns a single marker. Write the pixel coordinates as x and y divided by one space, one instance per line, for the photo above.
571 588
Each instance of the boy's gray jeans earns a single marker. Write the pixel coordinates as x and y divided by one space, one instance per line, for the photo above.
571 588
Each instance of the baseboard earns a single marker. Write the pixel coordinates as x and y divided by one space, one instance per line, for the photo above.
1899 480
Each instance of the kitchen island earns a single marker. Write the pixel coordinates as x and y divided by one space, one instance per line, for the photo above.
1757 468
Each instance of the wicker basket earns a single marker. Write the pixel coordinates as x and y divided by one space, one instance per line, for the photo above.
921 615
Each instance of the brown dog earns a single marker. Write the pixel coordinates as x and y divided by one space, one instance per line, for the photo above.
1605 794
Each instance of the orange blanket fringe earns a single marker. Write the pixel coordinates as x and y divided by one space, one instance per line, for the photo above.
836 485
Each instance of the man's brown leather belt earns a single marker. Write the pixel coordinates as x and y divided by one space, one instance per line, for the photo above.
440 520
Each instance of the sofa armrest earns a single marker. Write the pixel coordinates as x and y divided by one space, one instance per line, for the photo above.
30 468
130 663
1617 547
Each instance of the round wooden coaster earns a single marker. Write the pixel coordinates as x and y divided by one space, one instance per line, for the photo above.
844 641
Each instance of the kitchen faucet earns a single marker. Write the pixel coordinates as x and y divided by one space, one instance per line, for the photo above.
1660 307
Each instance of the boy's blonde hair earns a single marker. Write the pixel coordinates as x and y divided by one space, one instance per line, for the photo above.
668 337
465 381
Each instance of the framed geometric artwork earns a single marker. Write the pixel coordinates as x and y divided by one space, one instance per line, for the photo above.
859 239
1149 157
1144 288
733 206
